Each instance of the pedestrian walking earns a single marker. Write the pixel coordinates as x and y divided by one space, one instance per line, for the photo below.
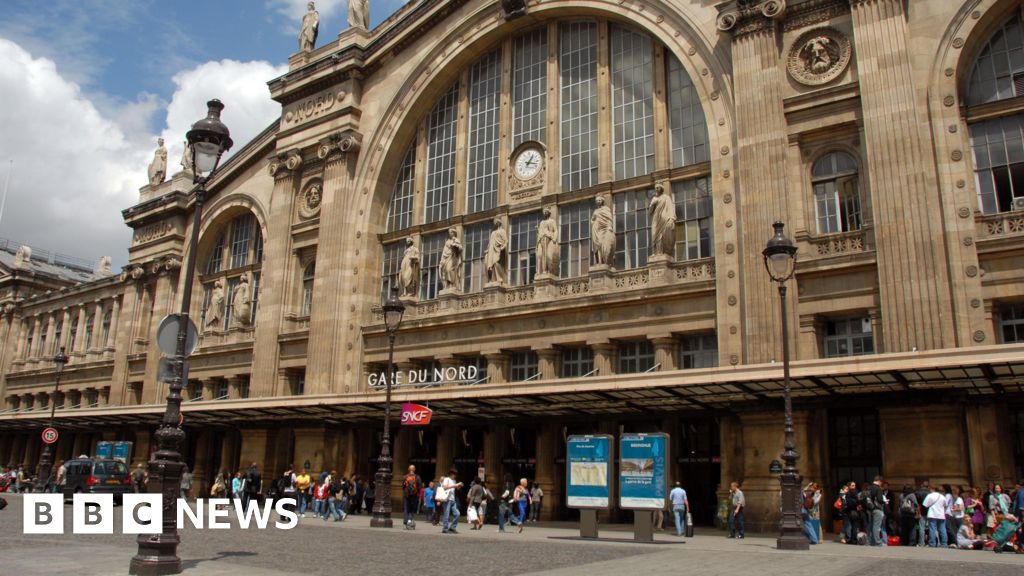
935 504
252 486
186 483
504 501
428 503
474 498
303 489
138 478
450 485
736 505
537 498
521 496
680 504
411 487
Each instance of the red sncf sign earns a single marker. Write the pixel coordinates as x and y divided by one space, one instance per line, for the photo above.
415 415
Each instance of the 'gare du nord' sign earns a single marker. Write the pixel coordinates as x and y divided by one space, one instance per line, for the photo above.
427 376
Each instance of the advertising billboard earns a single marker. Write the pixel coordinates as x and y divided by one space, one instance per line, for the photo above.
642 480
588 471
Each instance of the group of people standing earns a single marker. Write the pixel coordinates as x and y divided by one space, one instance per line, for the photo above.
970 518
441 502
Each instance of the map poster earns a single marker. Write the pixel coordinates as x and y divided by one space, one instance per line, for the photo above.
588 470
642 480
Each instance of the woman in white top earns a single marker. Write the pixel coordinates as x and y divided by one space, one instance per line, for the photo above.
956 513
935 504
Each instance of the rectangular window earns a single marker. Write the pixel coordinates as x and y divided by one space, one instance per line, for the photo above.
400 211
58 333
698 351
688 130
632 103
578 66
196 390
222 390
76 399
258 250
299 383
838 205
216 256
523 366
389 274
635 357
577 361
632 232
241 233
694 223
481 368
442 125
574 220
229 302
254 297
1011 323
848 337
430 256
484 103
243 387
998 147
474 247
522 249
530 86
60 401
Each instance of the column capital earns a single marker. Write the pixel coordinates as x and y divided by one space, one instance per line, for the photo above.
748 16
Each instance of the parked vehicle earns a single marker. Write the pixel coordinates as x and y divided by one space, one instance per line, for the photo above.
97 476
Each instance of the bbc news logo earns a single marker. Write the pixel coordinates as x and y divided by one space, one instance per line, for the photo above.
144 514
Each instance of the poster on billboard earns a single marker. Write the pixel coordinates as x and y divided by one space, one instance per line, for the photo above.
642 480
588 470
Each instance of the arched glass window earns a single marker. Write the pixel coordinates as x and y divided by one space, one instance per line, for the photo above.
836 193
107 317
997 144
598 79
58 334
90 324
307 288
232 278
29 334
998 72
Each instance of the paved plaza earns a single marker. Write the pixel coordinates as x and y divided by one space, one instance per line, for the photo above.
352 547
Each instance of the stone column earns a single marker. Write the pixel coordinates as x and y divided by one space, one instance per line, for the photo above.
494 442
604 357
761 136
51 327
905 198
20 352
277 264
309 445
210 388
120 391
235 387
665 352
334 342
79 345
140 447
202 475
497 367
445 449
808 339
548 435
115 317
33 352
66 330
548 363
254 449
97 327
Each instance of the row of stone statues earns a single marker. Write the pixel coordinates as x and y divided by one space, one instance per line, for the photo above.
241 304
358 17
158 166
661 214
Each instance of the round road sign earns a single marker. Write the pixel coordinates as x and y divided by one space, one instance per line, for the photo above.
50 435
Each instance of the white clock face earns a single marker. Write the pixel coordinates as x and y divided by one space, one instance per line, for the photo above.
529 163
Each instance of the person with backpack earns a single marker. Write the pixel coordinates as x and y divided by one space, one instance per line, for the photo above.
908 516
333 492
811 513
411 486
875 504
922 514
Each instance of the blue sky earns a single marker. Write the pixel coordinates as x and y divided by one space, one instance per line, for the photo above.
88 85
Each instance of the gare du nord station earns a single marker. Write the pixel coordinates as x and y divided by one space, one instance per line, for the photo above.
571 199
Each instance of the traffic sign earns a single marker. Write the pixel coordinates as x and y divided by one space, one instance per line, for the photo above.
167 335
50 435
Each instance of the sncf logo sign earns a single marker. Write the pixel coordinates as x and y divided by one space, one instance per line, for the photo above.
415 415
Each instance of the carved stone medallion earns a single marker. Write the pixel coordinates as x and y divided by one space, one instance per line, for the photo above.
309 200
819 56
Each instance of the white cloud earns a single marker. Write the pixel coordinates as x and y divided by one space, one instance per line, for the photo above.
241 86
79 160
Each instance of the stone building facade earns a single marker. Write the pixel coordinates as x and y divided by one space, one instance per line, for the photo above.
885 134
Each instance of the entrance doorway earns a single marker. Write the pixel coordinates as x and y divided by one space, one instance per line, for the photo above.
699 466
855 447
423 452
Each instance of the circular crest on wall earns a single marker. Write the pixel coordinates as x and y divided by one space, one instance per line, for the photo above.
819 56
309 200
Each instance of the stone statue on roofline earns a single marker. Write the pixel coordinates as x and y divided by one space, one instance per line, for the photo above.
158 167
359 14
310 29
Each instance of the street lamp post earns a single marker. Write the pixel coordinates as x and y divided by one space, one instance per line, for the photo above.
780 261
45 460
208 139
393 311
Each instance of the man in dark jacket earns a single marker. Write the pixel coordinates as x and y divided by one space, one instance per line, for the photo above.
876 504
922 514
253 486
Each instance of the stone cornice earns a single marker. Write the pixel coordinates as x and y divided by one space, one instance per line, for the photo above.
749 16
815 12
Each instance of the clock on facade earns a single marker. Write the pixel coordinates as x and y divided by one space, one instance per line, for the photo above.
528 162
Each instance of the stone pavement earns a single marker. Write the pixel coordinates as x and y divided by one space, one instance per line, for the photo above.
352 547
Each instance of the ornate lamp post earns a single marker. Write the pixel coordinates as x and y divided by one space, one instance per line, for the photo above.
393 311
208 139
780 261
45 460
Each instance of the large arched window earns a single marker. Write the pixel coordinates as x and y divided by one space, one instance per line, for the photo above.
307 288
564 99
836 193
997 138
231 284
